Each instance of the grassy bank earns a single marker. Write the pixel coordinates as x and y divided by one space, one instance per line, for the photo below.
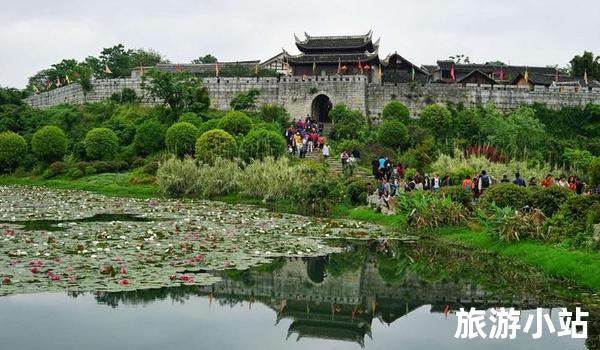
579 266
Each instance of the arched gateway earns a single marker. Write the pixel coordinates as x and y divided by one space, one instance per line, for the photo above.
321 105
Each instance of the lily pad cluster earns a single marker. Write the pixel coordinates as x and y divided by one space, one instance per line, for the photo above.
180 242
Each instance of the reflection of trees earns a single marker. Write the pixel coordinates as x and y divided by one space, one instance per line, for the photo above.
392 268
348 261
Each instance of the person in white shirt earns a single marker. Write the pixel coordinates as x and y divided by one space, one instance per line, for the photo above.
326 150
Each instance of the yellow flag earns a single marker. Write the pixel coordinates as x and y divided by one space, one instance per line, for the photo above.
67 79
217 69
141 70
106 69
526 76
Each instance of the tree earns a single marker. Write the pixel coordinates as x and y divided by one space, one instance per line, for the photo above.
460 58
586 63
101 144
272 113
205 59
594 172
180 138
190 117
347 124
261 143
149 137
396 110
11 96
12 149
245 101
215 144
180 91
49 143
496 63
392 133
438 120
236 123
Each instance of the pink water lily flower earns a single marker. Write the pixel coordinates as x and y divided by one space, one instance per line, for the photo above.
124 270
34 270
124 281
6 280
55 277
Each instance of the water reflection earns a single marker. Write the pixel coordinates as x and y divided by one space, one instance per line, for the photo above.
340 297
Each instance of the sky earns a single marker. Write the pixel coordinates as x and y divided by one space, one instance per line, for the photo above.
37 34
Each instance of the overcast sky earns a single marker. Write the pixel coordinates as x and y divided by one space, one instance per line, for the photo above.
36 34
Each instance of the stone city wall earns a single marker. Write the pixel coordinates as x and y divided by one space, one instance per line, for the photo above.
297 94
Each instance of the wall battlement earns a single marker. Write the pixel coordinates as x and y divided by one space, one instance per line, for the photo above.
296 94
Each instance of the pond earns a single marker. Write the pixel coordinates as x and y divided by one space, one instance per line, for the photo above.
265 280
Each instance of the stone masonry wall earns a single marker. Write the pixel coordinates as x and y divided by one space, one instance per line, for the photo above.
297 94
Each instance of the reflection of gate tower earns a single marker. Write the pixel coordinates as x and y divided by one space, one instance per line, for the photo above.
339 307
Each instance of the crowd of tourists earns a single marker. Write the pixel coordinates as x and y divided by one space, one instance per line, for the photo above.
305 136
392 181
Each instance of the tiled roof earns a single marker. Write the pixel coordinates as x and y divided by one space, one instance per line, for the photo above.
333 58
328 43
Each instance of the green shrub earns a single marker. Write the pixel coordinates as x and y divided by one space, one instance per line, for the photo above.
215 144
245 100
570 220
49 143
425 209
58 168
457 194
123 128
180 138
101 143
392 133
75 173
149 137
437 119
509 225
319 197
261 143
349 145
191 118
357 190
176 177
505 195
347 123
549 199
13 148
151 168
208 125
594 172
274 114
269 179
395 110
236 123
103 166
217 179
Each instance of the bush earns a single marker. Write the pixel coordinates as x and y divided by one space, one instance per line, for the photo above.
396 111
548 200
101 143
208 125
180 138
347 124
58 167
151 168
191 118
123 127
149 137
571 219
13 148
505 195
357 190
49 143
425 209
392 133
319 197
236 123
245 100
261 143
509 225
437 119
215 144
594 172
274 114
176 177
217 179
103 167
269 179
457 194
